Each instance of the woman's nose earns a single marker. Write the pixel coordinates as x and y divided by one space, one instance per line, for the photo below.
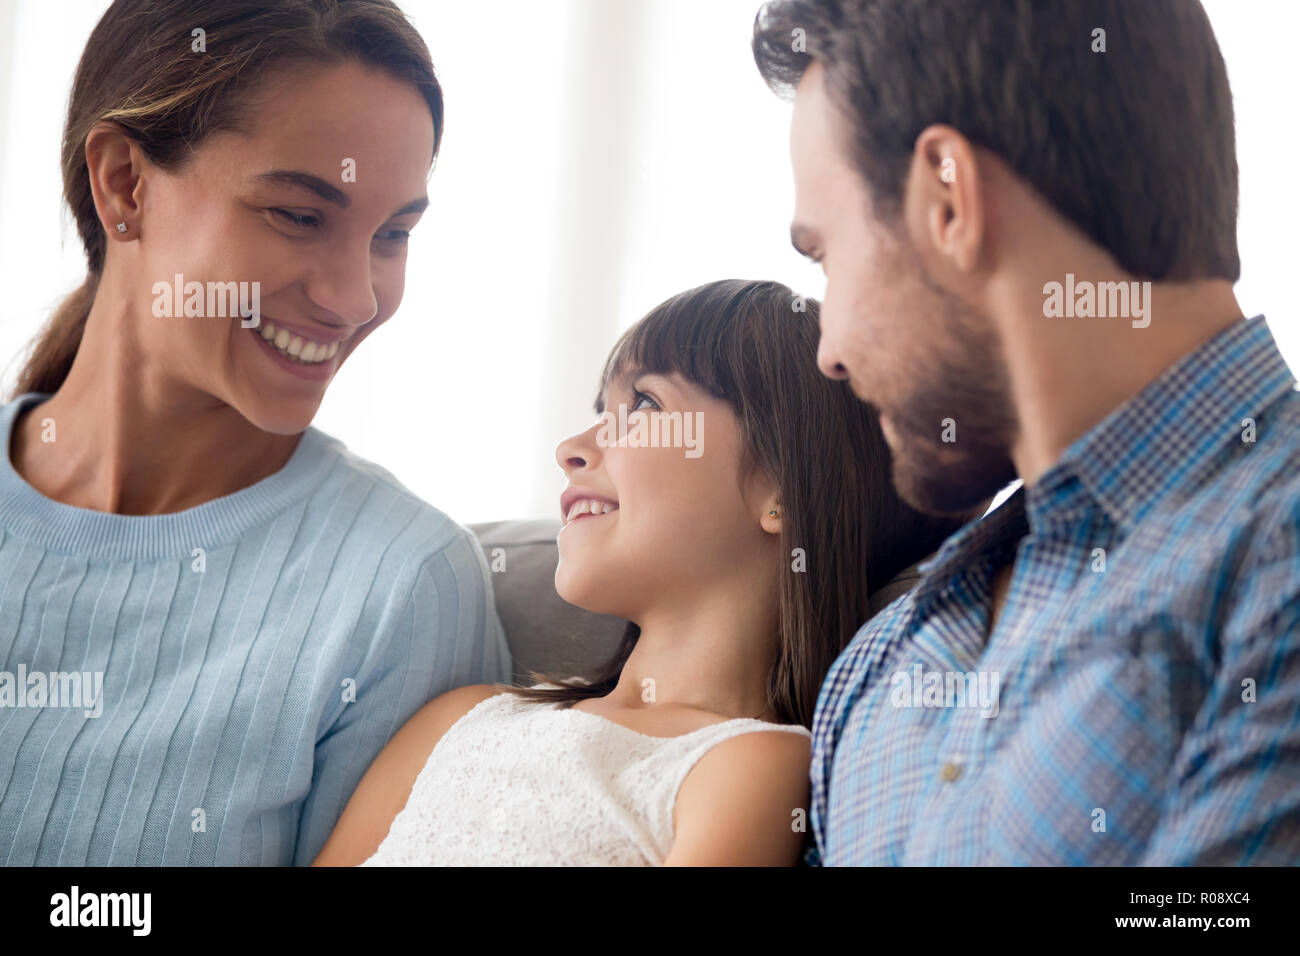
345 286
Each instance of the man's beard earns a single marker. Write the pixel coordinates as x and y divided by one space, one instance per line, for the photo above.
965 381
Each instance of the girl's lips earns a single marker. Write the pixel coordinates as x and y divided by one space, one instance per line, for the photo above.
316 372
586 515
576 493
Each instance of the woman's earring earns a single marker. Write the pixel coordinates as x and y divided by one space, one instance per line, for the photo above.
772 513
121 227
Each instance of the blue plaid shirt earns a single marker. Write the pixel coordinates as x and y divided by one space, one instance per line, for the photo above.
1139 698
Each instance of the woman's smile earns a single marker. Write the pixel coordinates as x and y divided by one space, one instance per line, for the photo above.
303 357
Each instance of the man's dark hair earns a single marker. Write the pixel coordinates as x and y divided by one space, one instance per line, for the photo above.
1133 145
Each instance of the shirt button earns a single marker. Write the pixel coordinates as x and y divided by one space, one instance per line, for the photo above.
950 772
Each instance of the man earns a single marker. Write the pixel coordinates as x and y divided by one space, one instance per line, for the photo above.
1026 213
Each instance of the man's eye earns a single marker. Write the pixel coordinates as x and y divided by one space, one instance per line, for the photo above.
297 219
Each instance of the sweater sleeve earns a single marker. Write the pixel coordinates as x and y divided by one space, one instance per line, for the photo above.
443 634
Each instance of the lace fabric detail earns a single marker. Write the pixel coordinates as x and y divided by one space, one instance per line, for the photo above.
515 782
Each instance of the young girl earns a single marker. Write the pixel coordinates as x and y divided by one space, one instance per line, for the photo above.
744 566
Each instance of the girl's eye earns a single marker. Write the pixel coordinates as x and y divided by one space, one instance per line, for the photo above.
636 400
297 219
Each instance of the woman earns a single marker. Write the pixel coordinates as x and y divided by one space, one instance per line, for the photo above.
262 608
744 563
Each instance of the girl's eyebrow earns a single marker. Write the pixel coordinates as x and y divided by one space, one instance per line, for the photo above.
625 379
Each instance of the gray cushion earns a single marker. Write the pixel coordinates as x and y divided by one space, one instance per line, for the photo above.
545 632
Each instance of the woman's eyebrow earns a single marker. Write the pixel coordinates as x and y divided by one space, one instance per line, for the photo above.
415 205
304 180
312 183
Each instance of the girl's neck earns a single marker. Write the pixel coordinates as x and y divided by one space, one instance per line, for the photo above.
715 658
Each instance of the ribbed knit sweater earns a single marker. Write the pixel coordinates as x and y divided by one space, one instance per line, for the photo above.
253 655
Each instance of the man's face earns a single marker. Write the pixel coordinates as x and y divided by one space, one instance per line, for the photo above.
926 359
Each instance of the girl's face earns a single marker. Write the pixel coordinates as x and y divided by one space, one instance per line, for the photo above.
681 522
312 201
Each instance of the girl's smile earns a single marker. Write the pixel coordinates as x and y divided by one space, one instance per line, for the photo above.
577 502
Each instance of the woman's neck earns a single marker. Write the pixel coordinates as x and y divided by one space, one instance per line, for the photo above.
125 437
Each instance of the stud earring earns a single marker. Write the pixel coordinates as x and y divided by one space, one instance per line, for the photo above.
121 227
772 513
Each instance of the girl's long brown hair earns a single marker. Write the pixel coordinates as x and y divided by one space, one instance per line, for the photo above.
748 344
140 70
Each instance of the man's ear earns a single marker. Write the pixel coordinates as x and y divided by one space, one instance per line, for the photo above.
943 205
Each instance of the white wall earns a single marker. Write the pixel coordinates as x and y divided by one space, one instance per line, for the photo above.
600 155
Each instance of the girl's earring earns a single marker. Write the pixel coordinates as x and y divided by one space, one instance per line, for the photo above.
121 227
772 513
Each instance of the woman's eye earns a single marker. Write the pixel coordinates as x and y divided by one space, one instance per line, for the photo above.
297 219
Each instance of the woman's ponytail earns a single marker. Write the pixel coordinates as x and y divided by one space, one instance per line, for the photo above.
52 352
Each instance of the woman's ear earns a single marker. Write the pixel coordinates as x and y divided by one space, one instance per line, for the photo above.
113 164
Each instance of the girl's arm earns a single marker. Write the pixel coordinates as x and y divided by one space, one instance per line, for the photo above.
382 792
740 803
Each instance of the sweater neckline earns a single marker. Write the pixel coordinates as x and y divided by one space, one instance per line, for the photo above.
31 516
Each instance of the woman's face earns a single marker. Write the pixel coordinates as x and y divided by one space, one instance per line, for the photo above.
682 523
313 202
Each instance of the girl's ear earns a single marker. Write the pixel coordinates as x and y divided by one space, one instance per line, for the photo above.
771 519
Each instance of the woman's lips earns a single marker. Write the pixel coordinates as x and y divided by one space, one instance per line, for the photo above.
312 372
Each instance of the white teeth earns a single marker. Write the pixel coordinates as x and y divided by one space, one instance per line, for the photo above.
589 506
295 346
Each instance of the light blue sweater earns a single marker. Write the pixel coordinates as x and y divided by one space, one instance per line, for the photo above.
255 652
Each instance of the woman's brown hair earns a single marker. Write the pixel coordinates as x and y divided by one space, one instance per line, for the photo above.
145 69
754 345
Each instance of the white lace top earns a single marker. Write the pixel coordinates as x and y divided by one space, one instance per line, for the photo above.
516 782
